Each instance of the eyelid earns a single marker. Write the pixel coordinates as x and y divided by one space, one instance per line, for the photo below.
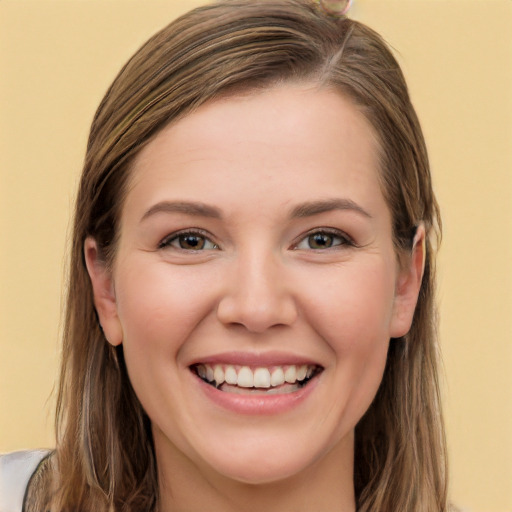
166 241
338 233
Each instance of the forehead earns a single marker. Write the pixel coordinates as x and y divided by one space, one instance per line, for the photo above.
294 139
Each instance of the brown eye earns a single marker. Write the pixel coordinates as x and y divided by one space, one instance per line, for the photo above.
189 241
319 240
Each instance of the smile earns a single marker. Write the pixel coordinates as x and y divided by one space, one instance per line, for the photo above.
256 380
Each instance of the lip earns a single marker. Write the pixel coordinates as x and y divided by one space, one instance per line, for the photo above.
253 359
255 404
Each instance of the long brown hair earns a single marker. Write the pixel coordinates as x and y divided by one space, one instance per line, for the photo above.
104 458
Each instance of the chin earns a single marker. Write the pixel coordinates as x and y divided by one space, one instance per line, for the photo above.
266 461
261 473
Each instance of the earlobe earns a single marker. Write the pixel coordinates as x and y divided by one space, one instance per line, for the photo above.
103 291
408 286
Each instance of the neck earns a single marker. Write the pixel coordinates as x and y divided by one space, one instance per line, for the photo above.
325 485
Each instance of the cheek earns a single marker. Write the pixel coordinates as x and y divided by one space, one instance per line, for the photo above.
352 307
353 317
158 308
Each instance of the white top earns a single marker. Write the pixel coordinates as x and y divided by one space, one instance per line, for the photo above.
15 471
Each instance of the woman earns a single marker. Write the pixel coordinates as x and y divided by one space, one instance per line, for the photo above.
250 318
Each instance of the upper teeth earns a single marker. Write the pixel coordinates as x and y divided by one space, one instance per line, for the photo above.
261 377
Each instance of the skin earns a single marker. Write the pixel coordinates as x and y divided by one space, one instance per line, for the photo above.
257 286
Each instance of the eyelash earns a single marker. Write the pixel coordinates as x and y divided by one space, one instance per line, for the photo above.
344 240
168 240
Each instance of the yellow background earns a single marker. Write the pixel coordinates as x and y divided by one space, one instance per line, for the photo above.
57 59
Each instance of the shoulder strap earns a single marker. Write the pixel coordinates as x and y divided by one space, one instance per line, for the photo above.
15 471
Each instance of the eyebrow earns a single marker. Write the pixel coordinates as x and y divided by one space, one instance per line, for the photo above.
186 207
316 207
302 210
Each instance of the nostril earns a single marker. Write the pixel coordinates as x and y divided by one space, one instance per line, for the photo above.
256 317
257 294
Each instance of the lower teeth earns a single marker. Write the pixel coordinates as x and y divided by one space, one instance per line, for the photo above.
282 389
285 388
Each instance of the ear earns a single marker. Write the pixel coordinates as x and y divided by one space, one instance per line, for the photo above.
103 291
408 286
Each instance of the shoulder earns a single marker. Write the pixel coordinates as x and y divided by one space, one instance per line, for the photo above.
16 469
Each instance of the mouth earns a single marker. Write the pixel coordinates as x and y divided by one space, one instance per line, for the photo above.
261 380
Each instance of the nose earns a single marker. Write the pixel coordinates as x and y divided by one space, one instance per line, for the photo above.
256 296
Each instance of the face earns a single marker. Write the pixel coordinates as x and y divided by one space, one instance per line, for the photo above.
256 288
